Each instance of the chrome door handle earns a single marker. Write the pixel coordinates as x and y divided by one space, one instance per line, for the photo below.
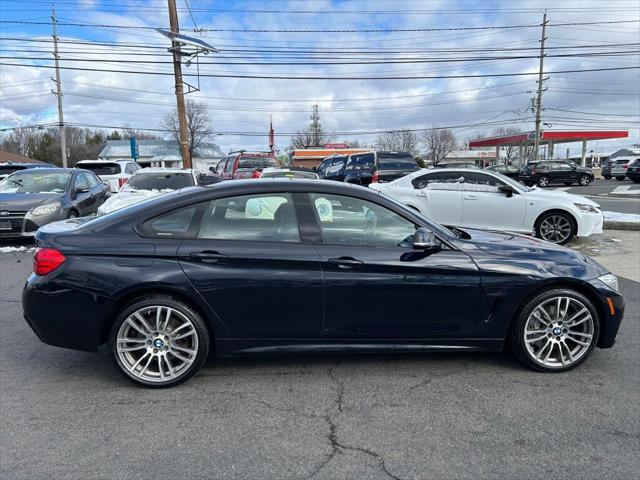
470 197
209 257
346 262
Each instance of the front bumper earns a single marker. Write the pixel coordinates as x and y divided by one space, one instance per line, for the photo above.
22 224
589 224
611 305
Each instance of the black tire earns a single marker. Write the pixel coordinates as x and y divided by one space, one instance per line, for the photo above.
568 217
515 339
543 181
72 214
196 320
635 180
607 177
584 180
620 179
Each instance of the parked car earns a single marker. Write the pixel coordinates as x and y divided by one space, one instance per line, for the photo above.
244 164
147 183
633 171
288 172
510 171
8 168
368 167
114 173
489 200
606 168
545 173
619 168
197 272
30 199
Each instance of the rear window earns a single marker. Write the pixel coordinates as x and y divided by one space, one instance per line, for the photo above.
101 168
396 162
160 181
257 162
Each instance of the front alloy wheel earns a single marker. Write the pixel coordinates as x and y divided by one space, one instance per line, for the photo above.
555 227
584 180
543 182
556 331
159 342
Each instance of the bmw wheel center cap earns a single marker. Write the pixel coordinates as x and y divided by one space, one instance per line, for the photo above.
158 343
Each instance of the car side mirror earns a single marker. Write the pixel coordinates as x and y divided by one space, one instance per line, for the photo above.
506 189
81 190
315 169
425 239
106 184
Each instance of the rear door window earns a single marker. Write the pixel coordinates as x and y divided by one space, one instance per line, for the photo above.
261 217
441 181
361 161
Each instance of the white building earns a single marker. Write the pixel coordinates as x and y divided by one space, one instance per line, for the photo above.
161 153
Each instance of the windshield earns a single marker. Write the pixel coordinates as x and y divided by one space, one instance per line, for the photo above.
396 162
101 168
257 162
35 182
159 181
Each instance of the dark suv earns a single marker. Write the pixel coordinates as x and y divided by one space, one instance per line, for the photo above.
368 167
545 173
633 171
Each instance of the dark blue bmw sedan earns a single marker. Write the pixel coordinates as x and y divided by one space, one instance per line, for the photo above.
280 266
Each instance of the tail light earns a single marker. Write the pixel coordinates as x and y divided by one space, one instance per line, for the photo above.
625 166
375 177
256 174
121 182
46 260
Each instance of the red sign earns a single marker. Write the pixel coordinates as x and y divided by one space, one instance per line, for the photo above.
336 145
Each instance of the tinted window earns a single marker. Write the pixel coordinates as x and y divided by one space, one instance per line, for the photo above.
30 181
266 217
159 181
481 182
229 166
336 165
361 161
542 167
175 223
101 168
323 166
396 161
437 178
560 166
352 221
257 162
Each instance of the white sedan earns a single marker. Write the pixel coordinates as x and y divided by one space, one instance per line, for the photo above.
148 183
489 200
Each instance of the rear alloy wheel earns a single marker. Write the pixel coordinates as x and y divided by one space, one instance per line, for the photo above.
72 214
556 331
555 227
159 342
543 182
584 180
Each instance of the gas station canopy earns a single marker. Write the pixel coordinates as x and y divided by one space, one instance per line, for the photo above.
528 138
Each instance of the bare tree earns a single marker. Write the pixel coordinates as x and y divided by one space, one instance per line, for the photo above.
198 121
21 140
511 151
402 141
439 143
302 139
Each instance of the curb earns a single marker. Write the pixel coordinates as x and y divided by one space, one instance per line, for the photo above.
611 225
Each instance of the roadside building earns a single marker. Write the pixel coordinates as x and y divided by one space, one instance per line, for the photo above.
9 157
161 153
479 158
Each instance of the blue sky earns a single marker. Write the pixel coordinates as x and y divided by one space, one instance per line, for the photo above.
350 108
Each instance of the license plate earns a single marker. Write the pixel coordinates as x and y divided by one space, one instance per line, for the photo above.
5 225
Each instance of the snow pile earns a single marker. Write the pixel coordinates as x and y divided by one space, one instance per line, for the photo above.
621 217
21 249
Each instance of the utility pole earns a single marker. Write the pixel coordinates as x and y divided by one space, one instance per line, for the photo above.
58 92
177 72
538 103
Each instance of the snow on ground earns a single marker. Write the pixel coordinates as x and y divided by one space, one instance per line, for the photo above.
22 249
621 217
625 190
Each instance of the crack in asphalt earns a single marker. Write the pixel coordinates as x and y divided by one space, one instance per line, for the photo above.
336 446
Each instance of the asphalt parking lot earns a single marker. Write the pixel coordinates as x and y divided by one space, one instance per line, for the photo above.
611 195
67 414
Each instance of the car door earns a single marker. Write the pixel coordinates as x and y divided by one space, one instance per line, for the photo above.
485 206
439 196
335 169
378 287
98 190
82 199
247 261
562 172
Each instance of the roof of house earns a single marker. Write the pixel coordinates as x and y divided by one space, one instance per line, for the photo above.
151 148
6 157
